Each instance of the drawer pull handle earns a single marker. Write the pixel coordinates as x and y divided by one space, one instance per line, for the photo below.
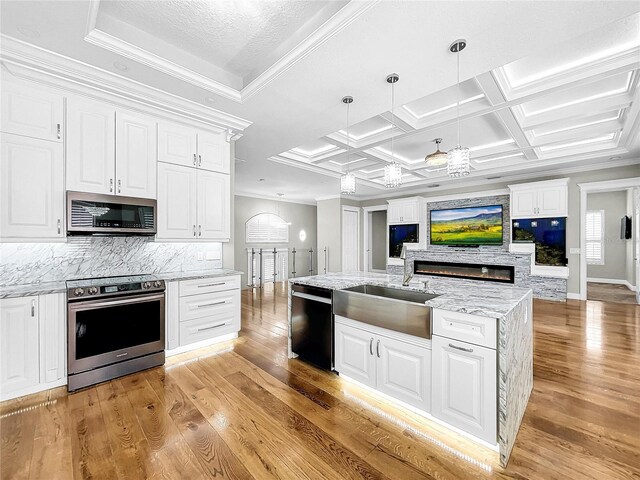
371 346
211 304
461 348
122 355
211 327
58 131
211 285
33 308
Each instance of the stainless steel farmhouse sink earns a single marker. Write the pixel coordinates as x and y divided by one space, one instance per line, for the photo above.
392 308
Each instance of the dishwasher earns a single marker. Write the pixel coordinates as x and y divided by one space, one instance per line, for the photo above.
312 325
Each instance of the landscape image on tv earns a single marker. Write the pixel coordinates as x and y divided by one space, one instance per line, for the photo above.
467 226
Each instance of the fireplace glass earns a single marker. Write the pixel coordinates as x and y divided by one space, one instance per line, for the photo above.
549 235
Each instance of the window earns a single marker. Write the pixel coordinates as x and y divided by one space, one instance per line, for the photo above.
595 237
266 228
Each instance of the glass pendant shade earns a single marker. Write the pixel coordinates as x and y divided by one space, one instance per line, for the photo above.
458 162
392 175
437 158
348 184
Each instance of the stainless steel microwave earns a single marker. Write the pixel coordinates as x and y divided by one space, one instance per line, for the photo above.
96 214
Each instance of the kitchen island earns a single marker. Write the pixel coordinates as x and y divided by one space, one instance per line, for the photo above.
474 373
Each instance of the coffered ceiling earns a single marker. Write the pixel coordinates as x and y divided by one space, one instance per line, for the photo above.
283 66
574 105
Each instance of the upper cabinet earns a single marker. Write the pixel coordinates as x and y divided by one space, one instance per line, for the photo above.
32 112
190 147
32 188
110 152
404 210
540 199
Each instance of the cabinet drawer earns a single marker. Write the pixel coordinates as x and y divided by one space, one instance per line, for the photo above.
464 327
209 327
207 304
207 285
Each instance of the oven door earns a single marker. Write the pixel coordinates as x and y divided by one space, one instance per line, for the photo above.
106 331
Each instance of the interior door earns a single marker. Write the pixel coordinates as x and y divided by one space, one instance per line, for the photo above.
350 248
135 155
91 146
176 201
214 205
636 238
32 188
214 152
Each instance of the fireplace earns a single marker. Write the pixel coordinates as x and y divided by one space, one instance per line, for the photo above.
472 271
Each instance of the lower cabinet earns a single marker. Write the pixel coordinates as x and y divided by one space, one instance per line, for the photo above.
387 361
201 310
465 387
32 344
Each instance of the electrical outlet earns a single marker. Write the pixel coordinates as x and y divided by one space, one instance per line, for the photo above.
200 256
574 251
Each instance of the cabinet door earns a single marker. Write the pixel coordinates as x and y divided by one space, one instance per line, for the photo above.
90 147
214 205
410 212
135 155
214 152
395 213
19 365
355 357
552 202
177 144
32 194
31 112
176 201
53 340
523 203
464 387
404 371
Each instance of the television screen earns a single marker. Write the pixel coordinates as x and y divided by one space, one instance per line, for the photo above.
400 234
467 226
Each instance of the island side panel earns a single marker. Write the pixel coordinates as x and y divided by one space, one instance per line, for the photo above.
515 373
290 353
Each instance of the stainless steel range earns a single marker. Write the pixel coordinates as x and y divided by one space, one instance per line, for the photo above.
115 327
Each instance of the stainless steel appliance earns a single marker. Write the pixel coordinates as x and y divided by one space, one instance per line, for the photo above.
95 214
115 327
312 325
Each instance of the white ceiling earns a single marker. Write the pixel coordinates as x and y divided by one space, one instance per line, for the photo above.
290 84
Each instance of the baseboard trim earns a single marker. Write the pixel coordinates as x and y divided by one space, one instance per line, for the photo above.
612 281
573 296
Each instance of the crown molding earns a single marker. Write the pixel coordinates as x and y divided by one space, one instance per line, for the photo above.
334 25
272 198
29 62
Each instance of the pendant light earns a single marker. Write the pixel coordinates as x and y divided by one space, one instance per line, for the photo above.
458 157
348 180
437 158
392 171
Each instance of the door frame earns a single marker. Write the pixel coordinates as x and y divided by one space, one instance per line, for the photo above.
347 208
367 259
596 187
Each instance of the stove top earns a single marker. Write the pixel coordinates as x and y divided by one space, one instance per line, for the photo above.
89 288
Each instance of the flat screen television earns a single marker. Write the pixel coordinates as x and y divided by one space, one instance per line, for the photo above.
400 234
467 226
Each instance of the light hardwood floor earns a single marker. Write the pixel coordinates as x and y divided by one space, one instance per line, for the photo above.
242 410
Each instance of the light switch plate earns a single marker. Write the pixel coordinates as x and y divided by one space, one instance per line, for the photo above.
574 251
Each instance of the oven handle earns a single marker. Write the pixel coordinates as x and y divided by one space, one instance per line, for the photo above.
116 301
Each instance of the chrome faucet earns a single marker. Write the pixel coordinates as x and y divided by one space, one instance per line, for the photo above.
406 277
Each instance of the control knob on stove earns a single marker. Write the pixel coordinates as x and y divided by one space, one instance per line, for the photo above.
77 292
92 290
146 285
157 284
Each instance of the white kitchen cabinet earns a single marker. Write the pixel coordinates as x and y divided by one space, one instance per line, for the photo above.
32 344
382 360
465 387
32 194
90 146
31 112
19 362
540 199
404 211
214 206
354 355
404 372
193 203
186 146
136 158
177 198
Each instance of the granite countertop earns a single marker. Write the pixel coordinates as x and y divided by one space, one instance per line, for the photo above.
455 295
44 288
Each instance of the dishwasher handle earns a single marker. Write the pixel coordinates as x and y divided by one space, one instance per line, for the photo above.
311 297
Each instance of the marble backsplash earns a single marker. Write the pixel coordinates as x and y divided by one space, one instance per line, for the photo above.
88 257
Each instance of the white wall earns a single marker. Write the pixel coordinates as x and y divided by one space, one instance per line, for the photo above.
379 240
614 205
